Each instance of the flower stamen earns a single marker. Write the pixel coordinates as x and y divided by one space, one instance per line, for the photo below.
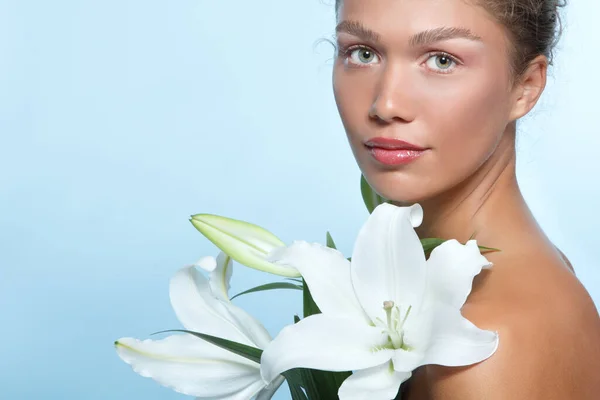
405 317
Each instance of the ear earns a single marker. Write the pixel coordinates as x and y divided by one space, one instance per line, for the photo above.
529 89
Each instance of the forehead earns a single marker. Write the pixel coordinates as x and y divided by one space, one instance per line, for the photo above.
399 19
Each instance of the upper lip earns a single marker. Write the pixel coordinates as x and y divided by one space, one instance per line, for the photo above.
392 144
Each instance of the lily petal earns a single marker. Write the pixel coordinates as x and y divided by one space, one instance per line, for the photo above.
451 268
199 310
325 342
191 366
407 361
220 277
456 341
252 327
380 382
246 243
388 263
208 263
327 274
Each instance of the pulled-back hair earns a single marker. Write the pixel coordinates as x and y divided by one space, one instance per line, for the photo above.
533 27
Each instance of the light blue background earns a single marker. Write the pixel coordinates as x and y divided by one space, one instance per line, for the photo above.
119 119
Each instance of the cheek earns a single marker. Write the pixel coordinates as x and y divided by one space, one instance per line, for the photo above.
466 122
353 94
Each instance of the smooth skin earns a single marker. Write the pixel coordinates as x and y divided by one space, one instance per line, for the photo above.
462 105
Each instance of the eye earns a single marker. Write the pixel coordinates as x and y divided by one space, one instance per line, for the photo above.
361 56
441 62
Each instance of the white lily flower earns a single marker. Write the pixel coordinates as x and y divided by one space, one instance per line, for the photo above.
246 243
193 366
385 313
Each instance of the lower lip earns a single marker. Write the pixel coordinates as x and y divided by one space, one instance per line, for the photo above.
395 157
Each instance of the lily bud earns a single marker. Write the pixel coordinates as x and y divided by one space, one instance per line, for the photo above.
244 242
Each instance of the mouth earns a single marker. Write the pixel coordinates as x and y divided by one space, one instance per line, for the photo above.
392 152
392 144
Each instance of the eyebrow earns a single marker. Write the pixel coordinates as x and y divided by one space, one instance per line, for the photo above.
424 38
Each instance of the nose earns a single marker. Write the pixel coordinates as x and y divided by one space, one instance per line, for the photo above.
393 100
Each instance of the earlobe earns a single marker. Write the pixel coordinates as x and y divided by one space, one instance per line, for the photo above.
530 88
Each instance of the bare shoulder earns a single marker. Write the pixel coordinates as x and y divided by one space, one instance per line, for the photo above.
549 331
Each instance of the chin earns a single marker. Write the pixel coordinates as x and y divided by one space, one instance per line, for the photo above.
404 200
402 191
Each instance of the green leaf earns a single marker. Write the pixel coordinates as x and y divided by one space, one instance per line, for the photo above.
309 305
294 379
296 391
299 280
310 384
485 249
329 382
330 242
270 286
340 377
303 377
249 352
370 197
488 249
319 385
296 319
431 243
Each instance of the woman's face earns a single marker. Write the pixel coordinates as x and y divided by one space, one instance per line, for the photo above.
434 73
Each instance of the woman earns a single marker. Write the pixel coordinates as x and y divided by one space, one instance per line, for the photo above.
451 78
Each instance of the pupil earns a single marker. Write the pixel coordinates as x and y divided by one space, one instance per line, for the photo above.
443 60
366 54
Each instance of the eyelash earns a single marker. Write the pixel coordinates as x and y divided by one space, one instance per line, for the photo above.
347 51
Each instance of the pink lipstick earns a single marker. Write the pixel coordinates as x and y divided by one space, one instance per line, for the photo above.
393 151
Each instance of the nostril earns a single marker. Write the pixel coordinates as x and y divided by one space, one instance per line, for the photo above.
378 120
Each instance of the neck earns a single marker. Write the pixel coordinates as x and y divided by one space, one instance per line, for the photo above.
488 207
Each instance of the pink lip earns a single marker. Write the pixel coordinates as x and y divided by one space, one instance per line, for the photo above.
392 144
393 151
